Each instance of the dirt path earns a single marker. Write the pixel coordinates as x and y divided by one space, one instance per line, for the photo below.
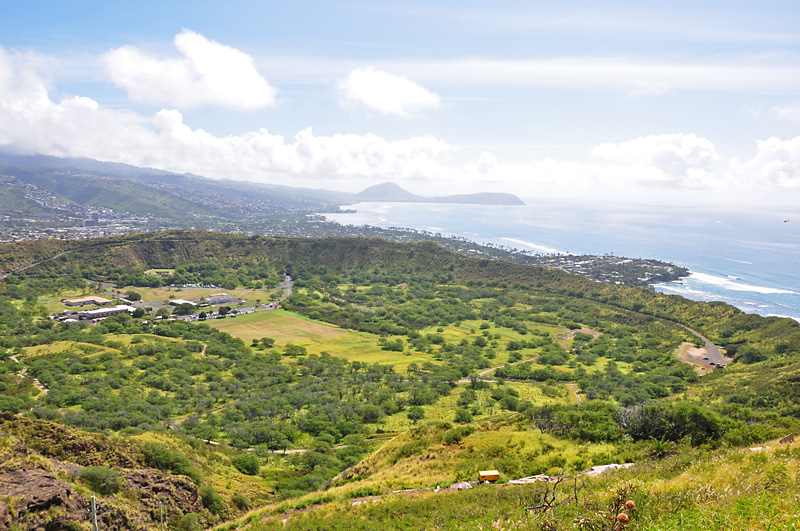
491 369
21 374
574 388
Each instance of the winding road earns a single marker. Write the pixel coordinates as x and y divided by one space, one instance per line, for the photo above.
714 355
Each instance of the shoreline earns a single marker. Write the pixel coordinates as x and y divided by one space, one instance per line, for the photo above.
732 286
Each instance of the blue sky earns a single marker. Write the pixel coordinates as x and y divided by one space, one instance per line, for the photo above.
628 99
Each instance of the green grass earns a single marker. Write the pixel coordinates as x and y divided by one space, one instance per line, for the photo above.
695 489
285 327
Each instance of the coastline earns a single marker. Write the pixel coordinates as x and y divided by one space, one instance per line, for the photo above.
749 275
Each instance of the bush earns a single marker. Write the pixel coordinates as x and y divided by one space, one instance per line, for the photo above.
463 415
241 501
160 457
101 479
455 435
211 499
247 464
190 522
415 413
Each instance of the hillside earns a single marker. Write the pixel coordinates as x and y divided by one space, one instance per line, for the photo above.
390 367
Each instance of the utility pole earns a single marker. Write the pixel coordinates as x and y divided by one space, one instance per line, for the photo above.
94 514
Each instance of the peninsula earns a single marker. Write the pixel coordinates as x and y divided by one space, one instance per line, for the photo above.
391 192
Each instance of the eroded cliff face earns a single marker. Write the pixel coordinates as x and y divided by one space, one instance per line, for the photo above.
42 493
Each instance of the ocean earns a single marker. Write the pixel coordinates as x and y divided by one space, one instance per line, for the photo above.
750 260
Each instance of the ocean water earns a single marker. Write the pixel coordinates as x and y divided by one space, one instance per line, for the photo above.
748 259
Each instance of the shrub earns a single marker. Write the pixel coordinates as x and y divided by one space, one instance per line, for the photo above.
415 413
159 456
101 479
211 499
190 522
463 415
241 501
455 435
247 464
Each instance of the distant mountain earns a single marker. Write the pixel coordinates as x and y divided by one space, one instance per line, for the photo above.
391 192
41 185
94 184
387 192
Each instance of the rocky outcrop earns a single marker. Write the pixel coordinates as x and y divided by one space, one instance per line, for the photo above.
37 499
176 493
34 496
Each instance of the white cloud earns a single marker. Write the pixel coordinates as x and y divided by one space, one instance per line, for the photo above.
385 93
31 122
688 160
207 73
776 165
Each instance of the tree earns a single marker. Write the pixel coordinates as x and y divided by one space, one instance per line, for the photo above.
133 295
268 342
463 415
415 413
247 464
163 313
186 308
295 350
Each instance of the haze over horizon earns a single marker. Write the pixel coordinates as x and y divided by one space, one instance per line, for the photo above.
625 101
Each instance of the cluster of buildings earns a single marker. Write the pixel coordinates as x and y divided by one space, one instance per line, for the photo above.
97 313
93 222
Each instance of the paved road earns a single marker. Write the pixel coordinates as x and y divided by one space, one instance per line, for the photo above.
714 355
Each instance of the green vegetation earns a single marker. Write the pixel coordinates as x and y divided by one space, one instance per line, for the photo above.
101 479
390 367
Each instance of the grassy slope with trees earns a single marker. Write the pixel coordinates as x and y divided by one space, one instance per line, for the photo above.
462 315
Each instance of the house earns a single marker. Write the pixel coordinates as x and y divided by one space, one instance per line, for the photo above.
218 298
178 302
106 312
88 299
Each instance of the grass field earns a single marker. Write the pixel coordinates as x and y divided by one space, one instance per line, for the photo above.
63 346
285 327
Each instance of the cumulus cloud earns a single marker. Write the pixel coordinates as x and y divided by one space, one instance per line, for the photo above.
385 93
32 122
776 165
206 73
687 159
